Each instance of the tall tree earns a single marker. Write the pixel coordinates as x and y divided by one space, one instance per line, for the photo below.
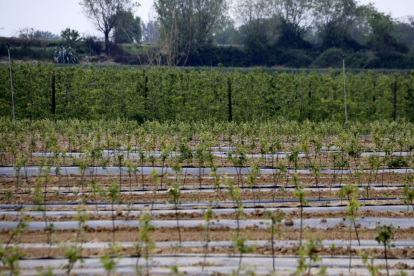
404 31
209 15
360 30
127 28
175 18
105 13
227 34
334 20
189 24
252 14
381 38
295 18
150 31
26 33
257 29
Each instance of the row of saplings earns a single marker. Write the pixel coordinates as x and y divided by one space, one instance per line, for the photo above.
307 252
220 183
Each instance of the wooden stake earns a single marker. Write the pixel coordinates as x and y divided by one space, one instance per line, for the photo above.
230 111
395 101
53 94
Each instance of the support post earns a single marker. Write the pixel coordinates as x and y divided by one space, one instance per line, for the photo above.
11 82
395 101
146 87
346 113
53 94
230 111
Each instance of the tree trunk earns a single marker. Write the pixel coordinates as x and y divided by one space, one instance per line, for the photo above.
107 43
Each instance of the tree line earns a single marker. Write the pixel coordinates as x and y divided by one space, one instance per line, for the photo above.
291 33
296 33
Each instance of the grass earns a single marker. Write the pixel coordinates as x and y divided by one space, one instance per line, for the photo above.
134 49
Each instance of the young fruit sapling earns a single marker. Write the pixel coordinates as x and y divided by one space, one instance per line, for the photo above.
240 245
144 240
384 237
351 213
207 218
300 195
175 194
275 219
113 195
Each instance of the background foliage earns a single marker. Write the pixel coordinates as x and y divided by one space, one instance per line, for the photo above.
267 33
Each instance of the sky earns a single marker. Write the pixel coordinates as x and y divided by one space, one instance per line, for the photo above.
52 15
57 15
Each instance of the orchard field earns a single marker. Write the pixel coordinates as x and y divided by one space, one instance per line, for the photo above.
131 172
160 94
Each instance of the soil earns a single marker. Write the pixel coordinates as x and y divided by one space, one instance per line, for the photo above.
222 233
20 195
258 214
124 233
259 250
194 181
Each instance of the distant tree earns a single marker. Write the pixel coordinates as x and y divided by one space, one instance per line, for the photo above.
105 14
381 38
360 29
93 44
30 33
26 33
333 20
176 20
228 34
150 31
127 28
70 35
45 35
256 30
190 23
252 14
404 31
295 17
208 16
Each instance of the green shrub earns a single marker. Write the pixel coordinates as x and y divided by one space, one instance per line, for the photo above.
295 58
360 59
330 58
3 50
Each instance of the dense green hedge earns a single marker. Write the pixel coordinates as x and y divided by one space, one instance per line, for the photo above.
228 56
242 70
171 94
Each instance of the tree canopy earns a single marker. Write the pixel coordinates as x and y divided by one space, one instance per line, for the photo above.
70 35
104 14
189 24
127 28
273 32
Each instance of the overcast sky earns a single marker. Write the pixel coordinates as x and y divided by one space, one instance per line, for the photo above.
57 15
